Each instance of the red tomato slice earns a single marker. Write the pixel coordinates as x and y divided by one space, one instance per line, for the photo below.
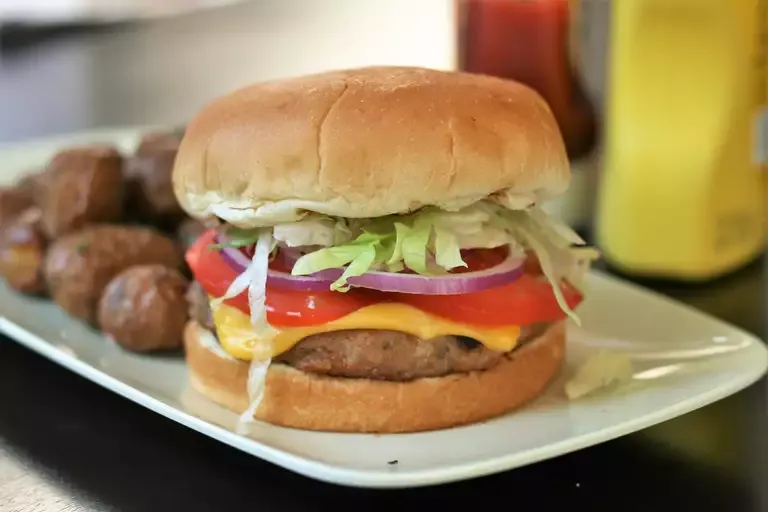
528 300
285 308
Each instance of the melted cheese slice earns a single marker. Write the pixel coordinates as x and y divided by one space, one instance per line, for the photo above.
237 336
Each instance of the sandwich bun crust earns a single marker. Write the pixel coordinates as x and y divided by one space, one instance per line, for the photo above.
369 142
315 402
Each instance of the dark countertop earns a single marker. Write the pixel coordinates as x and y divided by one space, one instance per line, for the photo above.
68 445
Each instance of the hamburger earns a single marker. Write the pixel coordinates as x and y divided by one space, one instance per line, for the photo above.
381 262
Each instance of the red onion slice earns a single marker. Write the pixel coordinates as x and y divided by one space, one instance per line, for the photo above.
502 274
235 258
320 281
310 283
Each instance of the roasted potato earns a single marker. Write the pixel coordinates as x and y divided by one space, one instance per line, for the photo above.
22 253
153 142
144 308
13 201
29 183
81 186
79 265
149 195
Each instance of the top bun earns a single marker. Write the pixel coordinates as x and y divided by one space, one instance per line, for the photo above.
366 143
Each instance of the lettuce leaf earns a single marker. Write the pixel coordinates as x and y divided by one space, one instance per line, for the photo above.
447 250
312 231
358 266
410 241
236 238
395 259
414 245
552 241
358 256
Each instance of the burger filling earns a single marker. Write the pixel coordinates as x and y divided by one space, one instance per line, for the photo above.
377 354
395 298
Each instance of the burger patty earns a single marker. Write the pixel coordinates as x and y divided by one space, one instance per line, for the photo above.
391 355
378 354
388 355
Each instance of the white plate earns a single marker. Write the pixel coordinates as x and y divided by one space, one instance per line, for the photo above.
682 360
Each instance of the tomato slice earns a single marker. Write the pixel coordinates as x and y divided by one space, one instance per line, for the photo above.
285 308
530 299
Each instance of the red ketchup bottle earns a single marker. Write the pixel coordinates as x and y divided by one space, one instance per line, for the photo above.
528 41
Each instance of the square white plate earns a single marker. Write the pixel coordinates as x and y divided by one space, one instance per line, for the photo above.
682 360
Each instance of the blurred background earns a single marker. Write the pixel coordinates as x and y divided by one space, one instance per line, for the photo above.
660 102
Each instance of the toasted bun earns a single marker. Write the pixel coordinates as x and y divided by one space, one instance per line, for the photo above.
366 143
314 402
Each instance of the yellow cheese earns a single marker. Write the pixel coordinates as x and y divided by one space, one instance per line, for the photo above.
237 336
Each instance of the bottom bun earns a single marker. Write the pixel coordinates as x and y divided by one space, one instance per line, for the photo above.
303 400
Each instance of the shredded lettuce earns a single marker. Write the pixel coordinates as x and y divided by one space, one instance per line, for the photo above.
257 290
412 241
414 245
447 250
552 242
257 381
357 256
358 266
254 279
313 230
395 260
236 238
537 241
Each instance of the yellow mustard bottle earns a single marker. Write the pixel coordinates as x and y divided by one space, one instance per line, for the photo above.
682 187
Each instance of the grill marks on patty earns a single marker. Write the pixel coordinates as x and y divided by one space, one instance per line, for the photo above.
377 354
